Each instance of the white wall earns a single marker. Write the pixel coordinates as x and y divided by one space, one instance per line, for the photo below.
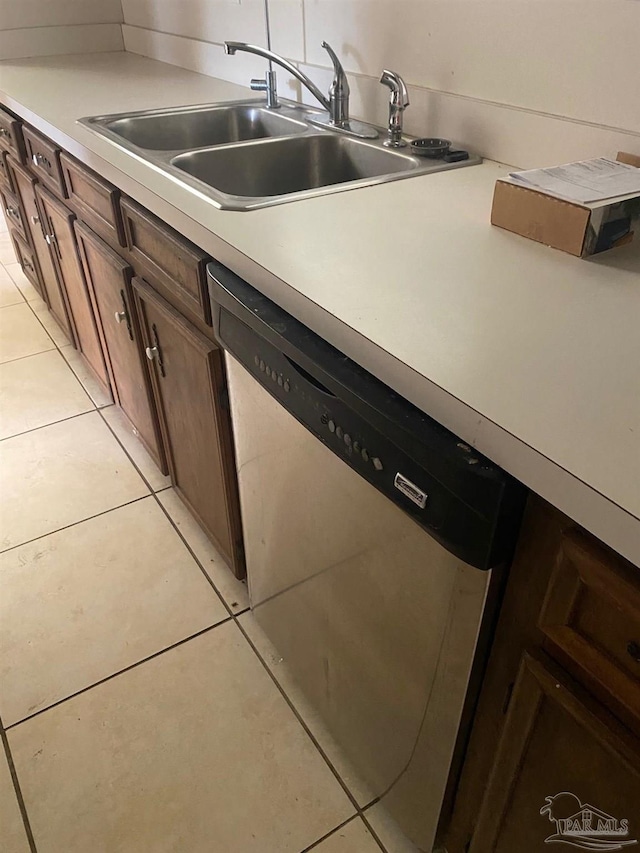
49 27
527 82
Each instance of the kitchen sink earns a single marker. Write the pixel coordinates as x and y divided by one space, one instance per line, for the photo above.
292 165
197 127
242 156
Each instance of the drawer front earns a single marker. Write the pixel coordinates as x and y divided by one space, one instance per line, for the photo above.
94 200
11 135
44 160
27 261
13 213
5 175
166 257
591 622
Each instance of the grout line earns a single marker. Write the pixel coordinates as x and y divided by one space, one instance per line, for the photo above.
118 673
330 833
51 423
73 524
27 355
17 789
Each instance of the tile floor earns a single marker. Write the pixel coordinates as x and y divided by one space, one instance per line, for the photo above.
142 710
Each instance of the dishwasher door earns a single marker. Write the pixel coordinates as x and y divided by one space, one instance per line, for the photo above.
375 619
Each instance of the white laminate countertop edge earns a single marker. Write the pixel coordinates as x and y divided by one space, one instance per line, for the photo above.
528 354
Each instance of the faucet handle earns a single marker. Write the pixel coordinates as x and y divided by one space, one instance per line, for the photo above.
399 93
338 91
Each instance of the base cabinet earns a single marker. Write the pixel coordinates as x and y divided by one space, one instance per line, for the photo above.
61 240
554 752
190 391
562 765
109 277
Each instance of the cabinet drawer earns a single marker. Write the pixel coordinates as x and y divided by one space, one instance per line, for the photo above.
5 174
94 200
44 160
591 622
13 213
166 257
27 261
11 135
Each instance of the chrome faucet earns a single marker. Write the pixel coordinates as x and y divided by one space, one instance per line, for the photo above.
336 105
398 102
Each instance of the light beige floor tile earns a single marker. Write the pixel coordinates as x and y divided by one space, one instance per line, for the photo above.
21 334
286 680
47 319
7 252
3 223
192 751
114 416
388 831
60 474
352 838
13 838
233 591
9 293
78 605
22 282
38 390
89 383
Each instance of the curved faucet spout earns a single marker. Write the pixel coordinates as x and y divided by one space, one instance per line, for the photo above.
230 47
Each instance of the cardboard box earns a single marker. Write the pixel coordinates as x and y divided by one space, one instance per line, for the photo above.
574 227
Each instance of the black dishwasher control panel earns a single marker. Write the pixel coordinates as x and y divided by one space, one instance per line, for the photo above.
463 500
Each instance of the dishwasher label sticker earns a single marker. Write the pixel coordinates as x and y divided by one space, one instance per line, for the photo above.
410 489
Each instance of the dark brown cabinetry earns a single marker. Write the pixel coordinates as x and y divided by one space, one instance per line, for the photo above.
25 186
558 711
81 244
190 388
61 241
109 279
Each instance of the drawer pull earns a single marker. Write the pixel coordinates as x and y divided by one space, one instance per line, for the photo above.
152 353
51 239
4 132
39 159
120 316
35 220
11 211
633 649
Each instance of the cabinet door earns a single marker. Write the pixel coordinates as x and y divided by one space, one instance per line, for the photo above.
61 240
25 187
189 383
562 764
109 280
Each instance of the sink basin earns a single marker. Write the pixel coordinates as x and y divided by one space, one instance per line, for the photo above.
197 127
240 155
291 165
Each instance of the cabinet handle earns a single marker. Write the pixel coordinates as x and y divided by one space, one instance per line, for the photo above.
4 131
633 649
11 211
120 316
51 239
124 315
35 220
154 353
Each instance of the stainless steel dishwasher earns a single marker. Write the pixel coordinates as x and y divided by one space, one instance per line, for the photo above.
375 542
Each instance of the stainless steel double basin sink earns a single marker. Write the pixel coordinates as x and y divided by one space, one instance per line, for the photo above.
241 155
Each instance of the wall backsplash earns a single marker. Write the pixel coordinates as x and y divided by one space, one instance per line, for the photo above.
526 82
50 27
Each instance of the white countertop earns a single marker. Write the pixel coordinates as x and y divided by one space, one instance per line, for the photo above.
530 355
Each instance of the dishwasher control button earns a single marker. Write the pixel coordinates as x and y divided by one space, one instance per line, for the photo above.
339 431
347 439
356 446
287 387
377 464
332 426
364 454
280 381
262 365
256 360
